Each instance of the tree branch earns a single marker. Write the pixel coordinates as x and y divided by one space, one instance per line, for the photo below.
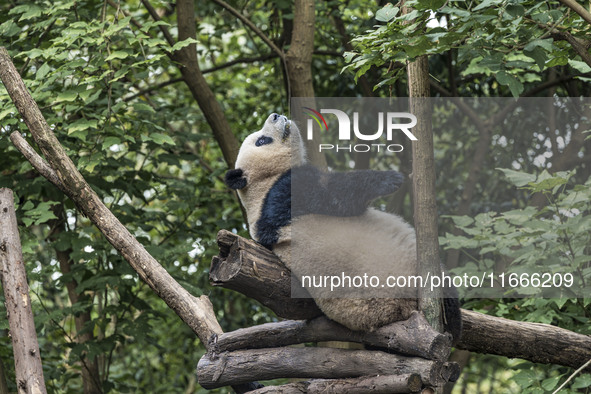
579 9
239 61
412 337
580 46
156 17
382 384
247 22
241 366
197 312
198 86
36 161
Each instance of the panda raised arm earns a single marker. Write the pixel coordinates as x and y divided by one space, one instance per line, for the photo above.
339 193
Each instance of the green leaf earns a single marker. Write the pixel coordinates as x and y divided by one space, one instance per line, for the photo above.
67 96
582 382
539 56
546 182
117 55
9 29
462 221
518 178
387 13
515 10
486 4
110 141
161 139
32 11
550 383
557 61
581 67
514 84
546 44
82 124
42 71
182 44
39 214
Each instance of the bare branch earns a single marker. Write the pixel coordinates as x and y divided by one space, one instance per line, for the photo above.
198 86
36 161
247 22
242 60
156 17
383 384
242 366
412 337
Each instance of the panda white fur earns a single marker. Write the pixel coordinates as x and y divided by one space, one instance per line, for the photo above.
333 209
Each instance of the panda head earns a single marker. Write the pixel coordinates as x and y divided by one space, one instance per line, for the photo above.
267 153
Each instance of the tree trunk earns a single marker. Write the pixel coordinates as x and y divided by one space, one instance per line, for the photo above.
198 86
298 64
425 205
27 360
3 383
91 380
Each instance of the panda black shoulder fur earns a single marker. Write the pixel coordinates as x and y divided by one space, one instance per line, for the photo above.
264 168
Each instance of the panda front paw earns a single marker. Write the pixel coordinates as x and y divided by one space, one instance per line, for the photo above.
235 179
390 182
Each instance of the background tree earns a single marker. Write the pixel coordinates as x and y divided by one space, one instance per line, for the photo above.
151 100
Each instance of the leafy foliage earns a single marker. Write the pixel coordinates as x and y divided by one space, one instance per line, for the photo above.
494 42
104 81
552 239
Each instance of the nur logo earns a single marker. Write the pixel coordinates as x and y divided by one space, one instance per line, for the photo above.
392 120
388 121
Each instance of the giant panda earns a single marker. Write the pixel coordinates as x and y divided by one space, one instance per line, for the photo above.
322 220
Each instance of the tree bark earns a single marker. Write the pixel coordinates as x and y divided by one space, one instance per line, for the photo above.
425 205
541 343
384 384
27 359
91 380
243 266
197 312
298 65
241 366
412 337
198 86
3 384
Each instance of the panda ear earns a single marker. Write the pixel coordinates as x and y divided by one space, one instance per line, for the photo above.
235 179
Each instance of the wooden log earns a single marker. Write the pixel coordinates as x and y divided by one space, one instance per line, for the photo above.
27 359
247 267
383 384
540 343
412 337
537 342
243 366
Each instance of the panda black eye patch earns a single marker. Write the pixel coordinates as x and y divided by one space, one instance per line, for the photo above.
263 140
